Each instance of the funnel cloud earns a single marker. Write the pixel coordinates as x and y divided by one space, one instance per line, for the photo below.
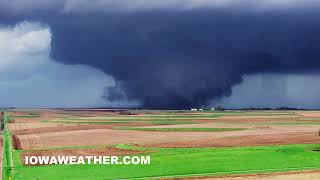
180 54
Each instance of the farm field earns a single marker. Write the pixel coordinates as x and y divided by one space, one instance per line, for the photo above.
182 144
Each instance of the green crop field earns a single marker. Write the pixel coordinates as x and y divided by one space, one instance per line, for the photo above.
171 162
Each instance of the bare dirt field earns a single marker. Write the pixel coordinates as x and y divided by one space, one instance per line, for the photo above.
253 140
244 117
35 134
309 113
38 129
102 137
33 125
248 137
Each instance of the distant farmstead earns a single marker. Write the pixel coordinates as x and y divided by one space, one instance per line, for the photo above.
208 109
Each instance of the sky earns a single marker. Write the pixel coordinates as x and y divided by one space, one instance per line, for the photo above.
170 54
30 78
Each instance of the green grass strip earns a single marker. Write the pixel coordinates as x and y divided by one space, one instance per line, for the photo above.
27 116
86 122
7 164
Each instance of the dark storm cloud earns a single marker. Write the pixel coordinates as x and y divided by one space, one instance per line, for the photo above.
169 58
66 6
184 59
